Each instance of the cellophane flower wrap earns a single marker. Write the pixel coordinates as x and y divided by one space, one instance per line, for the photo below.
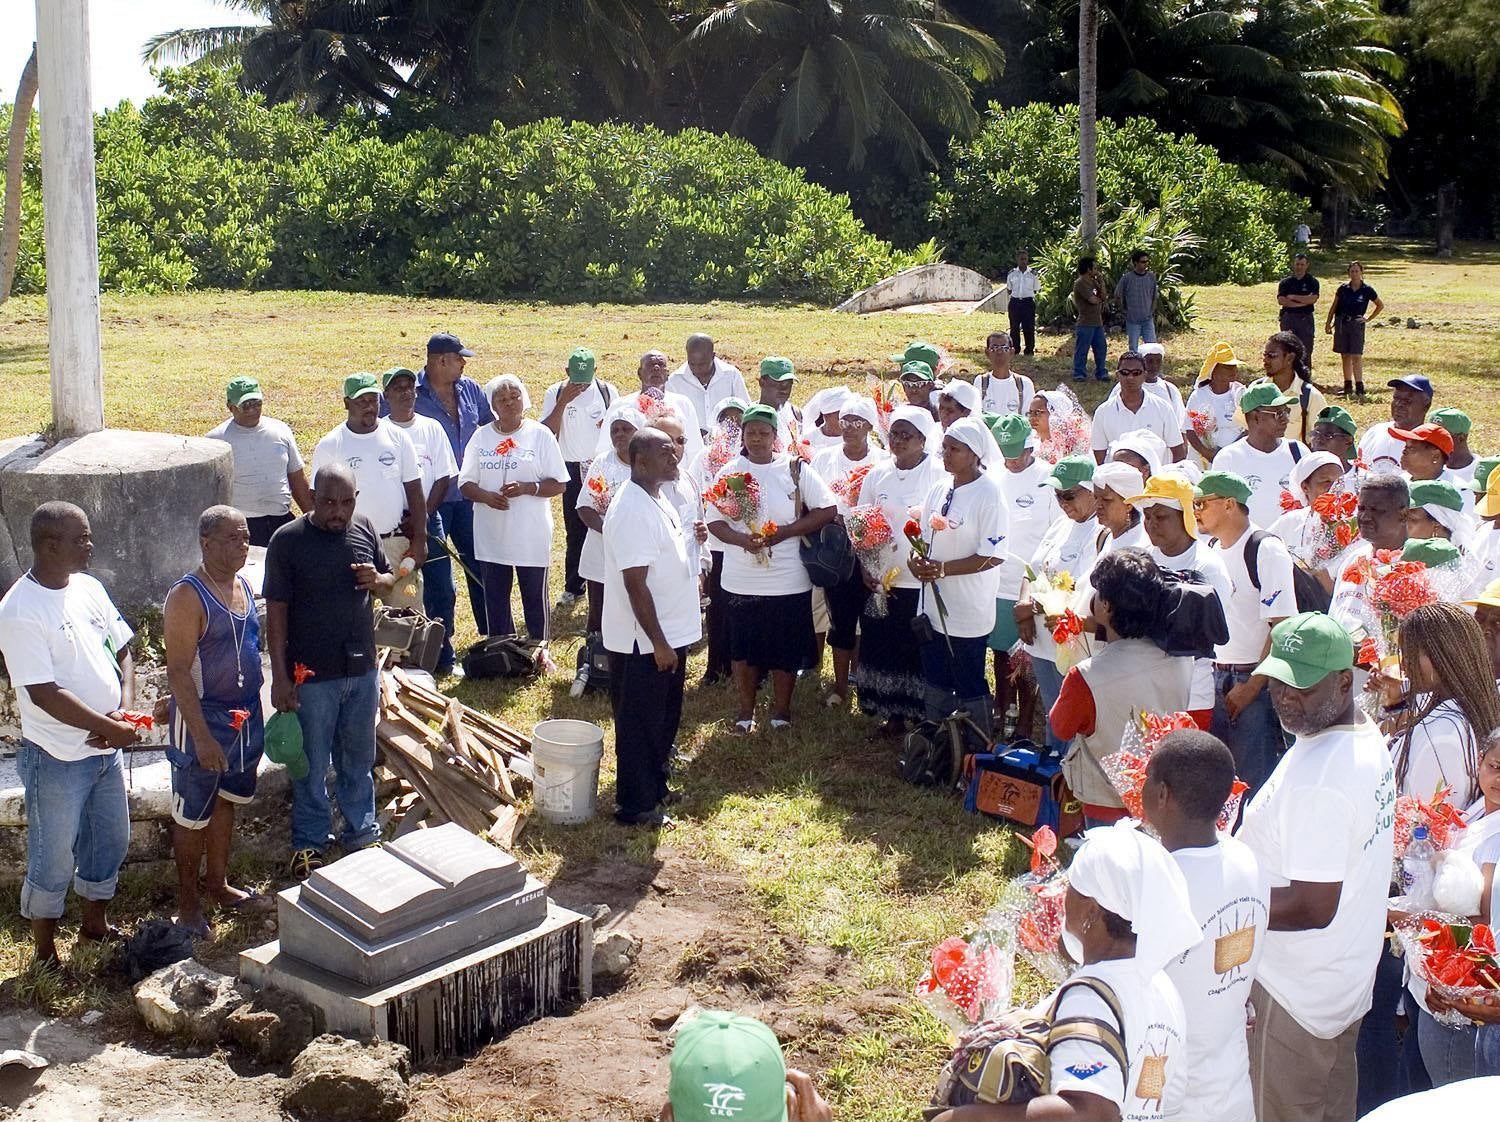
1455 957
1445 823
1330 530
1054 591
886 398
1037 907
1126 768
605 475
723 446
1069 432
846 487
1205 425
870 534
737 497
1390 589
970 979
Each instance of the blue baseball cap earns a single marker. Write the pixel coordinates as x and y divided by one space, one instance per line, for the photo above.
1417 382
444 344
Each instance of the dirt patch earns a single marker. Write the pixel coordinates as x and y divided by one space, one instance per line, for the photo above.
701 944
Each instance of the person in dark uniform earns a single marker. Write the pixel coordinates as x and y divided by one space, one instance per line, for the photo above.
1297 294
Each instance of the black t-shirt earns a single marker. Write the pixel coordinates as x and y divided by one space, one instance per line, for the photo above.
1291 286
329 626
1349 302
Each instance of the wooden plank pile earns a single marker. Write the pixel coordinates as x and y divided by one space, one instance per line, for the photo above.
441 761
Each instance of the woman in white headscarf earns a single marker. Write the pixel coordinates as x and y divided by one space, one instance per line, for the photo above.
1061 424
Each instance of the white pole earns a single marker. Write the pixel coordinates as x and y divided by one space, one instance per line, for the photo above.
70 215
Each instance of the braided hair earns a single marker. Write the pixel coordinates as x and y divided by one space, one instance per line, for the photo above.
1294 347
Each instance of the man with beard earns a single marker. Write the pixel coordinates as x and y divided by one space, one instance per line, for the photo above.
1322 826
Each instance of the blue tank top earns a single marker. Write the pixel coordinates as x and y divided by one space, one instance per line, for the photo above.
226 667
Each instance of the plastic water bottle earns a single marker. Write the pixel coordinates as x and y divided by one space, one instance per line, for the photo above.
581 681
1417 871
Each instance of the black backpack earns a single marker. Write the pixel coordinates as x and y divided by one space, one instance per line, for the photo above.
501 656
593 654
932 754
829 555
1309 594
1191 621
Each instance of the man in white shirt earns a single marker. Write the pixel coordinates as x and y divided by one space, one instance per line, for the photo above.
1023 284
1263 457
1322 827
388 481
268 470
1243 717
652 372
1381 516
1000 389
67 653
705 380
1188 781
648 626
1411 398
1135 409
574 410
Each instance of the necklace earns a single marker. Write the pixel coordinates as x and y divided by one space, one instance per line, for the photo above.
236 626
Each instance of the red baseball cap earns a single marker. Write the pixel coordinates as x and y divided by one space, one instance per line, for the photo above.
1435 435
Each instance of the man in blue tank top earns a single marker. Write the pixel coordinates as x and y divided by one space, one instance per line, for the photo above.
216 731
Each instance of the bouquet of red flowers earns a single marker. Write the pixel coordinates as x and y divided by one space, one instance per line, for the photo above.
1332 529
1127 767
1290 502
968 980
737 497
885 404
1393 587
847 487
1040 920
1455 958
600 492
869 533
651 402
723 446
1441 818
1205 425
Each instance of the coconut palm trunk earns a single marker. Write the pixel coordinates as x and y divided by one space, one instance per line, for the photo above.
15 161
1088 119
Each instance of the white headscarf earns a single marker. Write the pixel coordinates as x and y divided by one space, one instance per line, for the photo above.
1120 478
857 405
604 446
827 400
924 422
965 395
974 436
494 385
1303 469
1145 444
1125 872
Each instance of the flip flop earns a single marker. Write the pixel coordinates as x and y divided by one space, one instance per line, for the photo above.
252 903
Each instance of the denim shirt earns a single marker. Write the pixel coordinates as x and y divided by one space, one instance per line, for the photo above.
473 411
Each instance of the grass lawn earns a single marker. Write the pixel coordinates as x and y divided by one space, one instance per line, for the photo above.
832 845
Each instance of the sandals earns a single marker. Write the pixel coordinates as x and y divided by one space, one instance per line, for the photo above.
304 863
744 728
779 723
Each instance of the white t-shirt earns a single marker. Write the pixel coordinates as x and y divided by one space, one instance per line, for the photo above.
1202 557
725 381
521 535
1168 392
1348 602
1032 508
1231 898
783 573
263 457
614 472
1327 815
834 468
674 402
1250 610
434 453
1222 407
1005 395
578 434
1155 1040
70 636
1465 474
383 462
1441 746
900 491
1381 451
1484 551
640 531
1067 547
1113 420
1268 473
976 524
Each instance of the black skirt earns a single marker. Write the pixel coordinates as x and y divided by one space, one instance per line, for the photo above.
888 679
770 632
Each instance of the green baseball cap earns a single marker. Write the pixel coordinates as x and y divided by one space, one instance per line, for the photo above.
917 369
283 741
1011 432
1070 472
396 372
1264 395
763 413
778 369
1338 416
918 351
357 385
1432 552
1483 468
243 389
1456 421
723 1066
731 403
1436 492
1305 649
581 365
1222 485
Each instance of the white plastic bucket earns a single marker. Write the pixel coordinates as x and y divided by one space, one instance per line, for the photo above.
565 756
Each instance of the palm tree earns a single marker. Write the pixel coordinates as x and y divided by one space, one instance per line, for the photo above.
1088 120
15 163
828 77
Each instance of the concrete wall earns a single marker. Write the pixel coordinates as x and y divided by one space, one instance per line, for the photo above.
922 284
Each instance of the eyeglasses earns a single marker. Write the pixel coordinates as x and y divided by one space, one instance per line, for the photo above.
1284 413
1067 496
1200 504
999 347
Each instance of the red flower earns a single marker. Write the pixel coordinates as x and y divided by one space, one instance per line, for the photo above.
1386 556
1354 574
237 718
301 673
143 721
1343 534
1067 627
505 447
1482 939
912 529
1043 846
1290 502
1367 655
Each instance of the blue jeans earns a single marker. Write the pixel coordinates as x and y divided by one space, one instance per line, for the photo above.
439 597
77 828
458 523
1138 331
1447 1053
1390 1063
338 728
957 680
1254 737
1084 340
1487 1050
1049 685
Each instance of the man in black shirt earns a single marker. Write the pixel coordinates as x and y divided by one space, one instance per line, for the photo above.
1297 294
320 573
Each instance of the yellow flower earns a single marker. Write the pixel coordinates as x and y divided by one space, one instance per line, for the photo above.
1063 581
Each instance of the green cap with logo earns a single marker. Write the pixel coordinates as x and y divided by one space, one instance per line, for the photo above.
357 385
1223 485
397 372
581 365
917 369
1011 432
1483 468
918 351
1306 648
1455 421
1264 395
725 1066
762 413
1432 552
1436 492
777 369
1070 472
283 741
243 389
1339 417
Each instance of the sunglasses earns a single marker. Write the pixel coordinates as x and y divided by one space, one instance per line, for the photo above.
999 347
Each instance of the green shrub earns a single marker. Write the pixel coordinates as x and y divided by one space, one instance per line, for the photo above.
206 186
1016 184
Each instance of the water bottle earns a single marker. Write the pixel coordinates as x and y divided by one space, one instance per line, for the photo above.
1417 871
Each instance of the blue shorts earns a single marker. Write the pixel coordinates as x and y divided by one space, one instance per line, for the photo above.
194 787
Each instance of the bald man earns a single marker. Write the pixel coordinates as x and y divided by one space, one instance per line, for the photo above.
705 379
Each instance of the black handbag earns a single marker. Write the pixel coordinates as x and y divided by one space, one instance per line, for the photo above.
829 556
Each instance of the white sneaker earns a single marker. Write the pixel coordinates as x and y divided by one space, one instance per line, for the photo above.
568 598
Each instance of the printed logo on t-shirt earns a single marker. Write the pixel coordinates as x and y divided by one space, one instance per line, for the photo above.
1233 949
387 459
1025 502
353 462
1151 1083
1081 1071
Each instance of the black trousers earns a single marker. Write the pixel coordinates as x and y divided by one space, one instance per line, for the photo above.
647 707
573 529
262 526
1023 318
1301 326
717 618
